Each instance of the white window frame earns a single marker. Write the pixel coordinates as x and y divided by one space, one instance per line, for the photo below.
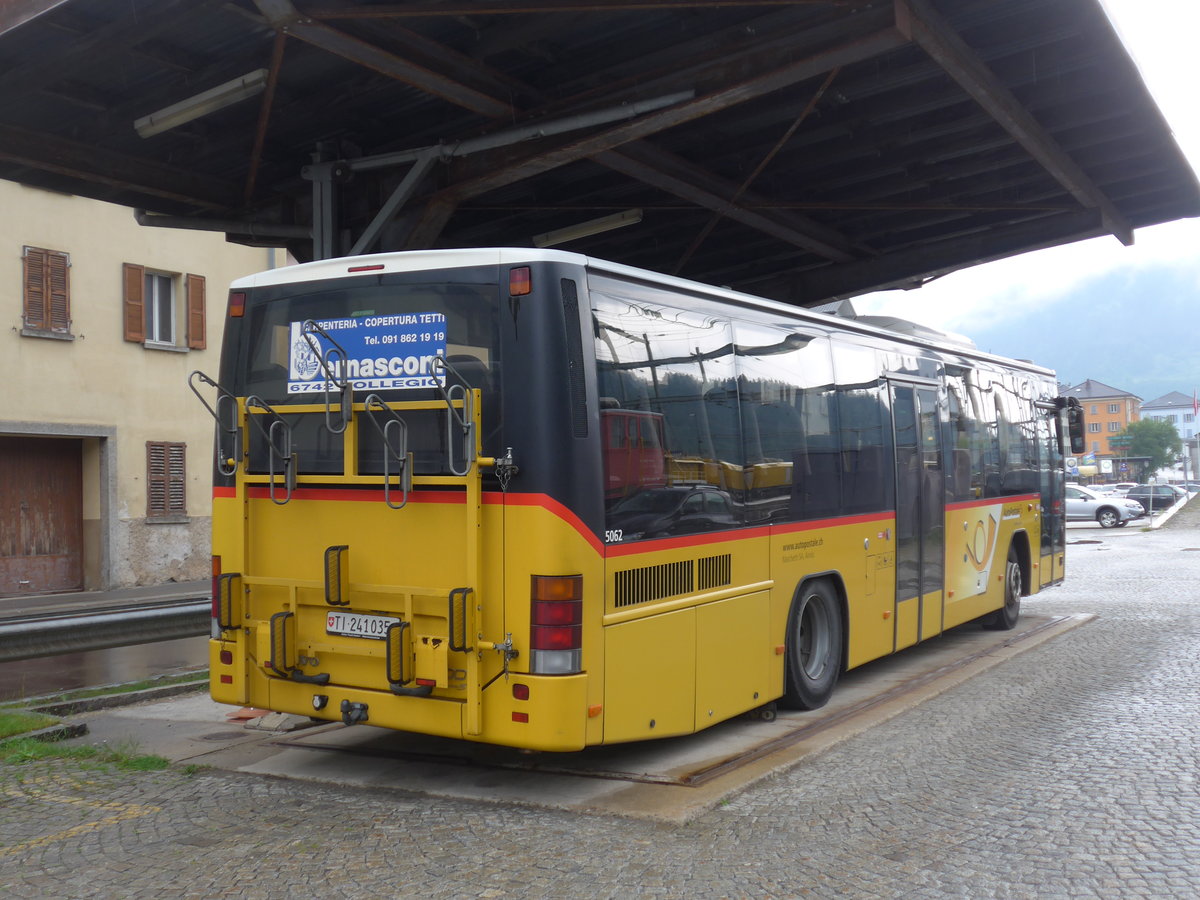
154 285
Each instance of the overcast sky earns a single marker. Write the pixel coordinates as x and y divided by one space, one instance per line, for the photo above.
1126 316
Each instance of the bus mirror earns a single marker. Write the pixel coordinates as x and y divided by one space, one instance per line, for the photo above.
1075 430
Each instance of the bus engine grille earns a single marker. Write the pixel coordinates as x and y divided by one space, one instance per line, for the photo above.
642 585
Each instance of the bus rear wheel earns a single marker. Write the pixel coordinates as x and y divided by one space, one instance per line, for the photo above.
814 646
1005 618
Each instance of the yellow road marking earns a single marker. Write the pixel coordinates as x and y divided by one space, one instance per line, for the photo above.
120 812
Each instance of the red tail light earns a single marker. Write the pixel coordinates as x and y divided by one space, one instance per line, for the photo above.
237 304
556 624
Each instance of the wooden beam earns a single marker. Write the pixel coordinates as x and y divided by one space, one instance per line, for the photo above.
114 38
93 164
926 27
862 48
539 7
15 13
911 266
676 176
286 18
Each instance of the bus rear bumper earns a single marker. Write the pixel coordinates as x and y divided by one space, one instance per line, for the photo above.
527 711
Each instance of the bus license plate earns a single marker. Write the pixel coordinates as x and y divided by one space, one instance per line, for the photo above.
358 625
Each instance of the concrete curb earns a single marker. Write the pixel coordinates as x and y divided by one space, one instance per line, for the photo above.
113 701
61 732
1163 518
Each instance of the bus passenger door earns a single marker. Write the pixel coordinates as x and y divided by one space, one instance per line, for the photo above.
920 514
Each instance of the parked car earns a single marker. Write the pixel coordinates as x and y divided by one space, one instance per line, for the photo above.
1192 487
1155 497
1084 504
685 509
1121 488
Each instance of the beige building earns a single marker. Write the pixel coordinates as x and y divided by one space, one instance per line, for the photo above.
105 453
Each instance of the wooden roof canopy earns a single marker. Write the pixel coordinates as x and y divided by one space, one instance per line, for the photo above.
797 149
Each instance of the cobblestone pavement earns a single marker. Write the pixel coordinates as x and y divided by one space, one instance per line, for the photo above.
1070 771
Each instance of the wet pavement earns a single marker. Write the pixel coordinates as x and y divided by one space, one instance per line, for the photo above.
1066 770
116 665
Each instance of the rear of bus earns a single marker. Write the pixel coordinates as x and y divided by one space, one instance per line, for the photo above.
404 509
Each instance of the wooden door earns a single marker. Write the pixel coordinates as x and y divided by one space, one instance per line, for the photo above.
41 515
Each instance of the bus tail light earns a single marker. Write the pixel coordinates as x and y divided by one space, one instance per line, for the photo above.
556 624
237 304
520 281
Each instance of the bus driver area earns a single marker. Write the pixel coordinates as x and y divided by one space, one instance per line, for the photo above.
670 779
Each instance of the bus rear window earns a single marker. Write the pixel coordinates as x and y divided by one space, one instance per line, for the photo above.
384 338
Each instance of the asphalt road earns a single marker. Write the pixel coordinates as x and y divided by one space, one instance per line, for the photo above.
1068 771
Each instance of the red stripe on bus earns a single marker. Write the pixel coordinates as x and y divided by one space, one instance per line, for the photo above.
792 527
738 534
225 492
373 495
555 508
693 540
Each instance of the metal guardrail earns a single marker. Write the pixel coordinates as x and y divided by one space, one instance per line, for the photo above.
98 629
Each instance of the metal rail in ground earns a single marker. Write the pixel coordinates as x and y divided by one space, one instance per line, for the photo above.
77 631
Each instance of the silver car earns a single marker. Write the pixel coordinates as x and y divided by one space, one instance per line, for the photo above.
1084 504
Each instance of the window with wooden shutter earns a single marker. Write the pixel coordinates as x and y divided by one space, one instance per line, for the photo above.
166 480
47 293
134 306
195 313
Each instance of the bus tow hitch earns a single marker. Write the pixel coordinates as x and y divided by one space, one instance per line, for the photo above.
353 713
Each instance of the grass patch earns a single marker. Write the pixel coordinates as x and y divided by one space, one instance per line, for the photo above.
22 750
124 755
17 722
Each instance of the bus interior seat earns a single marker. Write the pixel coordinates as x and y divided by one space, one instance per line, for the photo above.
817 480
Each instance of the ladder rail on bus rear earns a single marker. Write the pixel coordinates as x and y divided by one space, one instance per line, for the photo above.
464 601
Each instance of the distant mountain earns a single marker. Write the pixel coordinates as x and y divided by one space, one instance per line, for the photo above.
1138 330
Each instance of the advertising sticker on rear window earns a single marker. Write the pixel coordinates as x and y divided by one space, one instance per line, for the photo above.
382 353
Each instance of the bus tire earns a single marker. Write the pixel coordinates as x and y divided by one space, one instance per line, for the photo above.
1005 618
814 646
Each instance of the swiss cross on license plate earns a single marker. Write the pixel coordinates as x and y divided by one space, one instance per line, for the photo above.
359 625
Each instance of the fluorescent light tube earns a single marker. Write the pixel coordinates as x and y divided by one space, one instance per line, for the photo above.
227 94
588 228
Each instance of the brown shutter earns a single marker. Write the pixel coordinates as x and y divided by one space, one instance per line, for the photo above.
58 272
177 479
166 479
35 288
195 312
135 311
156 478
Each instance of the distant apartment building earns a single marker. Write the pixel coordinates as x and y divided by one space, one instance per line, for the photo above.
1106 413
105 454
1176 408
1180 410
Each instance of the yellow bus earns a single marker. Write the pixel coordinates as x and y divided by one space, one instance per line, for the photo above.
413 526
